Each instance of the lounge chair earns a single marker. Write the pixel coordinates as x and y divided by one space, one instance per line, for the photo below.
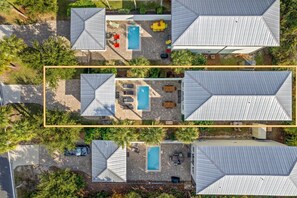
169 104
127 99
128 92
113 24
127 106
128 86
169 88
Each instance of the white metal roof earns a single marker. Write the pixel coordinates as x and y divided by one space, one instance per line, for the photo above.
246 170
97 94
225 22
108 162
237 95
88 28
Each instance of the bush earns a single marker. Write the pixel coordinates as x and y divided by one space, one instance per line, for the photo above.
132 195
187 135
182 57
291 136
124 11
142 10
141 61
37 6
159 10
95 134
198 59
154 72
152 136
80 4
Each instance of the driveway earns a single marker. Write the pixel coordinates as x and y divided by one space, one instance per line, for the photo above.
5 177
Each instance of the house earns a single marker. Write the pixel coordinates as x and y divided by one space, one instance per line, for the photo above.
108 162
87 29
230 167
97 95
237 95
225 26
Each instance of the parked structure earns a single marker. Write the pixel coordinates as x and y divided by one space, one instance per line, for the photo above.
226 26
88 29
237 95
108 162
244 167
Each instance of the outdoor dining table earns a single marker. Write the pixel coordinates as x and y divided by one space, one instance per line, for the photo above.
159 26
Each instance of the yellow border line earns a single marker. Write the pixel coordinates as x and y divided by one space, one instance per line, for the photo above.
167 126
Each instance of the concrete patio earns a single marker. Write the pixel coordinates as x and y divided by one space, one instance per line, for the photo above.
136 164
152 43
157 96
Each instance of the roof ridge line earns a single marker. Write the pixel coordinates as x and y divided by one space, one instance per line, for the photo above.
104 158
274 38
83 25
93 89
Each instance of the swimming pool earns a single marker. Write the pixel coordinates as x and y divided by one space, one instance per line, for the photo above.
133 37
153 158
143 98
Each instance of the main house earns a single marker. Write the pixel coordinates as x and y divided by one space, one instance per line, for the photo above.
204 95
225 26
244 167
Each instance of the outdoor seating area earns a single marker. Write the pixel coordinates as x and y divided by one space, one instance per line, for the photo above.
136 163
162 104
159 26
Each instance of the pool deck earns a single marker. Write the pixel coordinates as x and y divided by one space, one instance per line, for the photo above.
136 164
157 96
152 43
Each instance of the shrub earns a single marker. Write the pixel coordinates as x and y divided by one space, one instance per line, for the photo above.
187 135
141 61
80 4
152 136
159 10
142 10
198 59
165 195
132 195
182 57
291 136
154 72
123 11
37 6
95 134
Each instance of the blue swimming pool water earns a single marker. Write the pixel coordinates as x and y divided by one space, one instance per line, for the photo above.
143 98
133 37
153 158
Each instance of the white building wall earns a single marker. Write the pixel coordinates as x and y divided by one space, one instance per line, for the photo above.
218 49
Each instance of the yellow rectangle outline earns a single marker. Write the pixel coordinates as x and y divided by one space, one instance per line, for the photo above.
168 126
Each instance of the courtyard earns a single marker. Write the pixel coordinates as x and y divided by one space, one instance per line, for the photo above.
136 164
152 43
156 98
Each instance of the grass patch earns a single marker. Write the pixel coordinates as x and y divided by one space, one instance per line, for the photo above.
24 75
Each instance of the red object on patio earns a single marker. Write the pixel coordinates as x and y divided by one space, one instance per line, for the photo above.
168 51
116 36
116 45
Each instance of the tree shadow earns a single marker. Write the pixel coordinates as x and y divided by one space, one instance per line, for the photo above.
72 87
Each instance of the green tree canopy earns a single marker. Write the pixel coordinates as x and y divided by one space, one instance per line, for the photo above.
291 136
165 195
152 136
33 7
5 6
53 51
123 136
286 54
138 72
187 135
132 194
10 47
182 57
61 183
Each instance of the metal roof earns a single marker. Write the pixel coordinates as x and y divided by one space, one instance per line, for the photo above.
225 22
246 170
97 94
237 95
108 162
88 28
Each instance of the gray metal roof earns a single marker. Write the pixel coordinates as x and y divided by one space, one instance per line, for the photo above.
246 170
97 94
237 95
88 28
225 22
108 162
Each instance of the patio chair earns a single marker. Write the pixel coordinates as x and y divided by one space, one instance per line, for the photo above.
116 37
116 45
128 99
127 106
128 86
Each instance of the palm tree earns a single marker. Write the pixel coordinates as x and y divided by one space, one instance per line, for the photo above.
187 135
4 117
152 136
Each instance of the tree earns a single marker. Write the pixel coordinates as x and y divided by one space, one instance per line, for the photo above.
53 51
15 133
132 194
122 136
95 134
152 136
5 113
33 7
10 47
138 72
291 136
187 135
286 54
165 195
58 138
198 59
182 57
61 183
5 6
